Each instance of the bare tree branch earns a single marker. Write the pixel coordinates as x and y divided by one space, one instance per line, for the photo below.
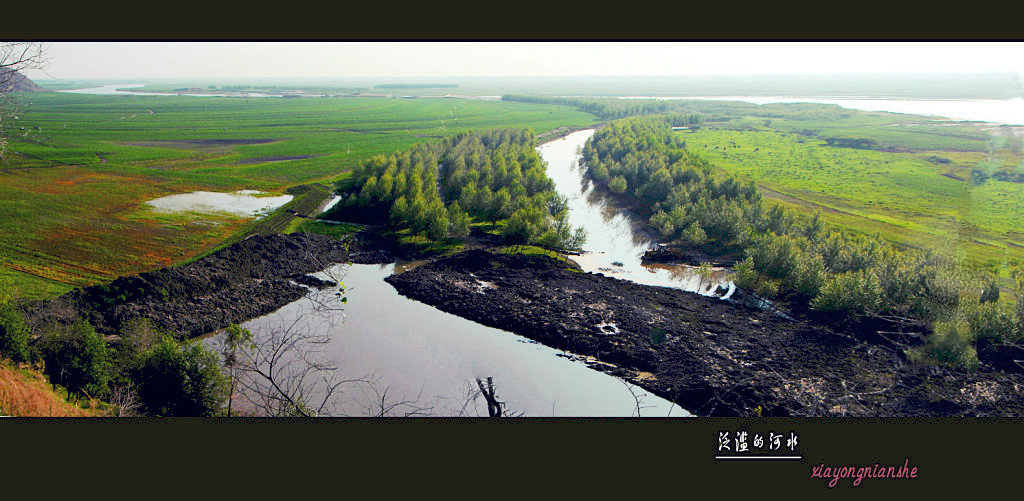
15 57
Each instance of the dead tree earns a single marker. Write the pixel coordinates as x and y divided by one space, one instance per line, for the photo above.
15 57
494 407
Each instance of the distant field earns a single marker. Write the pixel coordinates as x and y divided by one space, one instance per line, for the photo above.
72 198
911 183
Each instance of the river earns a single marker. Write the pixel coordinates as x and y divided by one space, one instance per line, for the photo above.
115 89
616 239
419 353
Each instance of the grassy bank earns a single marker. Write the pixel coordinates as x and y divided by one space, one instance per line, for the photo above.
25 392
908 180
73 193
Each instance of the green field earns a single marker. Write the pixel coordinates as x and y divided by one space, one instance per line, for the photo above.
72 195
911 181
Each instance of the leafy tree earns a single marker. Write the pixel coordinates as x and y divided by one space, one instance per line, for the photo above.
851 292
138 335
814 227
437 225
13 334
459 220
235 339
76 357
693 234
181 381
399 213
617 184
524 227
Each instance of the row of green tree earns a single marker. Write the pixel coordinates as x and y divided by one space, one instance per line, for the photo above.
439 188
612 108
789 256
690 112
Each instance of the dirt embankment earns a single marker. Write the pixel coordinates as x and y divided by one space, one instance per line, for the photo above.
251 278
711 356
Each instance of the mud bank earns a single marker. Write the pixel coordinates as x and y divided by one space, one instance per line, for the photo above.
251 278
693 256
710 356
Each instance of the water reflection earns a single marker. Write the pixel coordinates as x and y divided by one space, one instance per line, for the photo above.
244 202
429 359
616 238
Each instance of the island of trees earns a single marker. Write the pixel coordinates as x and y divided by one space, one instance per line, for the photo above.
437 190
799 260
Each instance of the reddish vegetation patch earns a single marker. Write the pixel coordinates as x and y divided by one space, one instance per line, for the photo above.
30 395
260 160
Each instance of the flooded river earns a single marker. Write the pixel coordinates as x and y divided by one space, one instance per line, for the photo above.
421 354
616 239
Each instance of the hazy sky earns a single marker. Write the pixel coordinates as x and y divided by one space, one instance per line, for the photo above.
113 60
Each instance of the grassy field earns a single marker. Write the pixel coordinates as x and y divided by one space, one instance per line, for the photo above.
73 195
911 181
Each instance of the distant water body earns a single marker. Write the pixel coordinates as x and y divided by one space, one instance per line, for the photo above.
999 111
115 89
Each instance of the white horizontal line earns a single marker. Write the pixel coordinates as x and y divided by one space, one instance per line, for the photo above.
759 457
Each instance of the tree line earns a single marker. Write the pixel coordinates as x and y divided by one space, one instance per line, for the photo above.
691 113
438 189
796 258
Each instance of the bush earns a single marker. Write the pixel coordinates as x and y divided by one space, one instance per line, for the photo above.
617 184
853 292
950 344
181 381
694 234
76 358
13 334
138 335
746 276
989 321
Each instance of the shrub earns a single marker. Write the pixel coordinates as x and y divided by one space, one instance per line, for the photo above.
13 334
76 358
854 292
989 321
694 234
950 344
181 381
746 276
138 335
618 184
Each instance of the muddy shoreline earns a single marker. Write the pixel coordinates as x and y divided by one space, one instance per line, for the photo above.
713 357
246 280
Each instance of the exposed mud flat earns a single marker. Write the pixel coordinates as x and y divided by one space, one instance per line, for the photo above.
251 278
712 357
692 256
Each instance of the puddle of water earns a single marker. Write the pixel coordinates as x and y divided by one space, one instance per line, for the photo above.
244 202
